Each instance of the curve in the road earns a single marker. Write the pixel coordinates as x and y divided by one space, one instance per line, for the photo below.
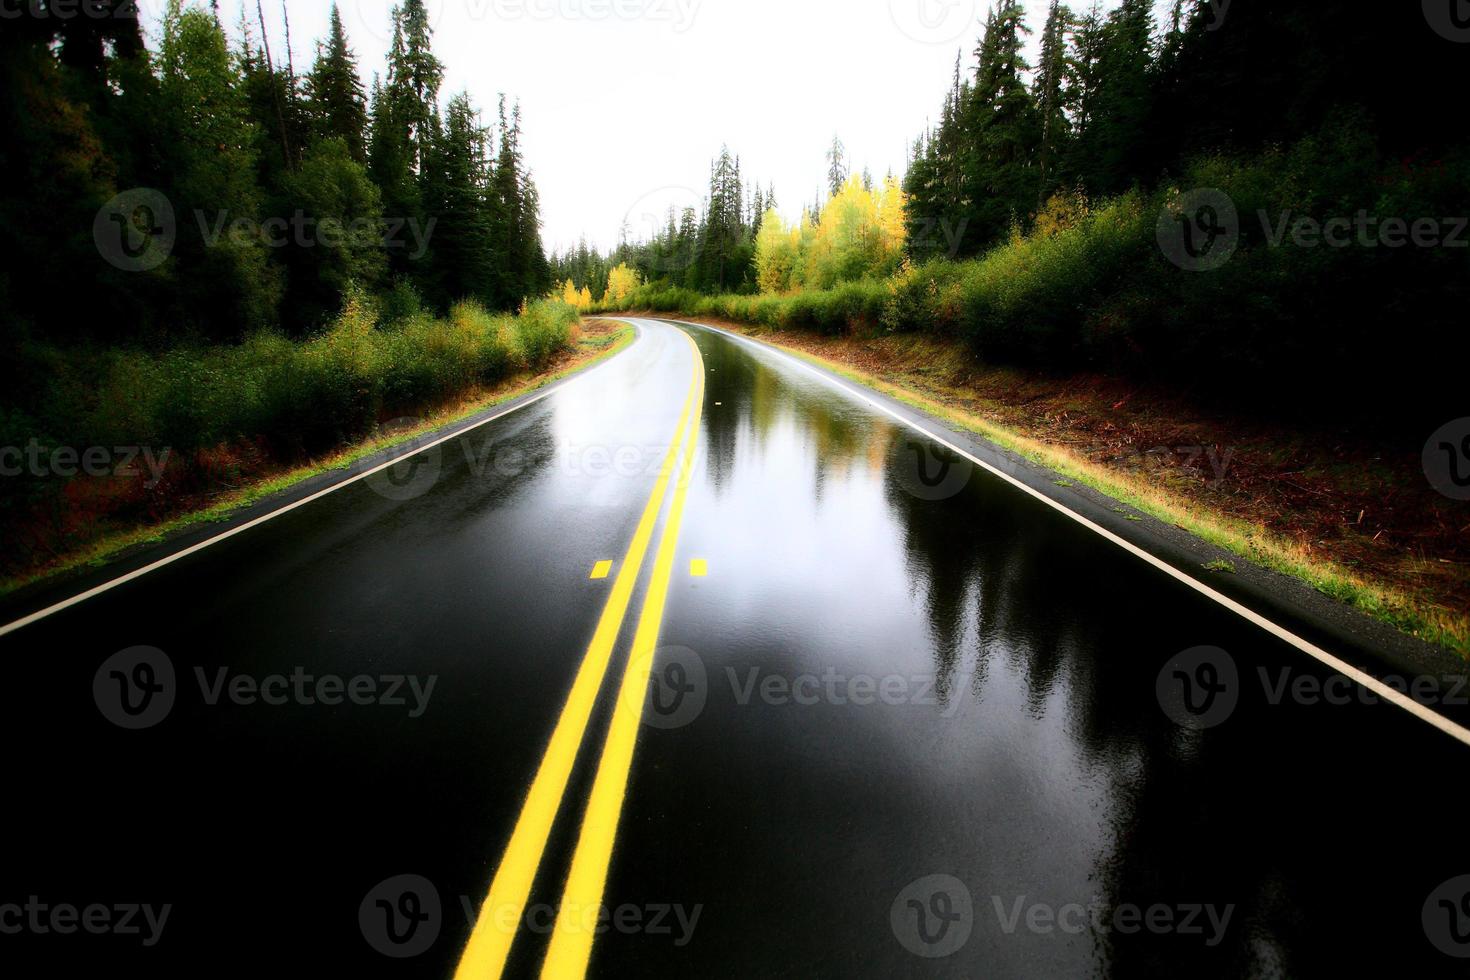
1382 690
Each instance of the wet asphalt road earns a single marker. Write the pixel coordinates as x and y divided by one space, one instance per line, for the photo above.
909 722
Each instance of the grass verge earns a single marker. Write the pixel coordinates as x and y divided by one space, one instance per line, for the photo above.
591 349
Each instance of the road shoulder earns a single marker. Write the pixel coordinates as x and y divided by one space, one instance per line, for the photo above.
1356 638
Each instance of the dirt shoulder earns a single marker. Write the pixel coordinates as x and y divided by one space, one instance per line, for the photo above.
1357 521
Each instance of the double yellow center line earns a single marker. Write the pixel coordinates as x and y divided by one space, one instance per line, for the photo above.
500 916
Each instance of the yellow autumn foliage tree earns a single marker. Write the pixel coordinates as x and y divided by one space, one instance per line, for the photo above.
570 295
621 281
859 235
776 249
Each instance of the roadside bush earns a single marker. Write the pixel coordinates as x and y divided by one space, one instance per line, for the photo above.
542 330
299 397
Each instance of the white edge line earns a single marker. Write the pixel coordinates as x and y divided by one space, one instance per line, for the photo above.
1368 681
408 453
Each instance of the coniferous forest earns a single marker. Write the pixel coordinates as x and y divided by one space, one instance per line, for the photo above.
1307 147
272 265
254 162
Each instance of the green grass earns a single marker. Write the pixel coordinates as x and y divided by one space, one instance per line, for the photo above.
102 550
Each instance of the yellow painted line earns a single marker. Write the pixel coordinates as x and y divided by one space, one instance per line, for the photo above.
601 569
699 568
499 920
578 915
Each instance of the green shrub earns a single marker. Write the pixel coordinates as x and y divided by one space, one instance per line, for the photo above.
299 397
543 330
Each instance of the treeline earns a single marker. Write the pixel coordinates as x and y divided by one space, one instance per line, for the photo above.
711 250
1263 204
1117 101
265 194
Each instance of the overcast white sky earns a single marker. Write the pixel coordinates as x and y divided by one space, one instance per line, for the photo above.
626 101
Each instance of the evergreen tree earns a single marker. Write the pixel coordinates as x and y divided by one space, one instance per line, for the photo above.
334 93
210 150
414 77
457 192
837 169
1054 91
342 210
1117 144
724 250
1002 131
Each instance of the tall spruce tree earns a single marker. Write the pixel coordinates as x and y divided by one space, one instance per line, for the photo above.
1002 131
334 92
837 169
457 192
1118 144
1054 89
227 284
